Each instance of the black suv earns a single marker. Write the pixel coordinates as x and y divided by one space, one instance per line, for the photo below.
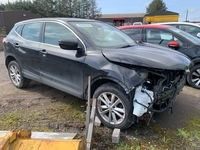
127 79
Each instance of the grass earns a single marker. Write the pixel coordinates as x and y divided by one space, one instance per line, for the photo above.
9 120
73 114
185 138
45 118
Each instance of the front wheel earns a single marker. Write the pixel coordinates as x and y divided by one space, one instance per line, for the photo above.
113 106
194 77
16 76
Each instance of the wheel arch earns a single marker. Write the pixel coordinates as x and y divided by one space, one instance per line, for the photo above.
196 61
190 80
9 59
98 81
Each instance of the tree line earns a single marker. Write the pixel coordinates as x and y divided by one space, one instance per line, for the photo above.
57 8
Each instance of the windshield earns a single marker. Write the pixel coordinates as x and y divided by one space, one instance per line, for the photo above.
103 35
186 35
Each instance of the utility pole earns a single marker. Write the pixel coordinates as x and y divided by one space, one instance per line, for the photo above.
186 16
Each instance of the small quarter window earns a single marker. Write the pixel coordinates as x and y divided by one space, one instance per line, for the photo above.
18 29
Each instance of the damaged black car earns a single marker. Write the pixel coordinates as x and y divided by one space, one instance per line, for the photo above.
128 80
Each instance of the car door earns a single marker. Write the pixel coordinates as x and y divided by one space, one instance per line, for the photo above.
162 37
60 68
27 46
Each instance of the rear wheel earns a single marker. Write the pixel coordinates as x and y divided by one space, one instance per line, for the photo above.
16 76
113 106
194 77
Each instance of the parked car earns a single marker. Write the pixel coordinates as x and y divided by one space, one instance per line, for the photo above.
137 23
172 37
189 27
128 80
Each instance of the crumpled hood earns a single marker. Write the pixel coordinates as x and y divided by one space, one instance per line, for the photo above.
149 57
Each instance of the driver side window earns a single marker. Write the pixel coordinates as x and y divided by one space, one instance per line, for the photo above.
54 32
161 37
153 36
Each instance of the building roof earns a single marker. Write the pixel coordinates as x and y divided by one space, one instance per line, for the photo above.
123 15
155 26
159 13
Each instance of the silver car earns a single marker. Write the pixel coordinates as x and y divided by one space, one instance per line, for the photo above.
189 27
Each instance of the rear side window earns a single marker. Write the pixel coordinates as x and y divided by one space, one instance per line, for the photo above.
54 32
190 29
135 34
161 37
31 31
174 25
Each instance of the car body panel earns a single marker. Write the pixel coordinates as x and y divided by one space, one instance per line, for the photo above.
53 70
142 56
27 52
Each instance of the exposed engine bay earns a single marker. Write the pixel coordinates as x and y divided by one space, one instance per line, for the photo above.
158 92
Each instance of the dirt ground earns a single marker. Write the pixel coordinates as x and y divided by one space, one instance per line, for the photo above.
44 101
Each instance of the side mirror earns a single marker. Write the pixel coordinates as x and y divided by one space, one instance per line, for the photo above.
68 44
173 45
198 35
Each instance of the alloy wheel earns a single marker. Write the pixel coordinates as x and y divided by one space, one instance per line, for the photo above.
111 108
195 77
15 75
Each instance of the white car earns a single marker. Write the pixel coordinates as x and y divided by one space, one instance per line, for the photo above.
189 27
137 23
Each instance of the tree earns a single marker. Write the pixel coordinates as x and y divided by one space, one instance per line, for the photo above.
156 5
57 8
95 12
45 8
2 7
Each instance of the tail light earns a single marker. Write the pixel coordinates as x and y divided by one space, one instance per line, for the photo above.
4 40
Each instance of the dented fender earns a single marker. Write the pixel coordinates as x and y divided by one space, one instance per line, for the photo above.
127 78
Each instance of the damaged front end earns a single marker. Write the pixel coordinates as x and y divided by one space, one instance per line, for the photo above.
158 92
152 78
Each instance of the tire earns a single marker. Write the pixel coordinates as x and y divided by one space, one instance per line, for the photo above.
194 77
112 113
16 76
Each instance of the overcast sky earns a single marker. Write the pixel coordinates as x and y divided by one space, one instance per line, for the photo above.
139 6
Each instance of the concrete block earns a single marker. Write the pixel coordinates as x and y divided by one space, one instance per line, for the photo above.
115 135
97 121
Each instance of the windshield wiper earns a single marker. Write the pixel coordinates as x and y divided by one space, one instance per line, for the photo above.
125 46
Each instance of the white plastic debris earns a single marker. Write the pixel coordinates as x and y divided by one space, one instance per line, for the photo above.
141 98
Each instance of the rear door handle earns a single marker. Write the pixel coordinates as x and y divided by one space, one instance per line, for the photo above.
16 45
43 52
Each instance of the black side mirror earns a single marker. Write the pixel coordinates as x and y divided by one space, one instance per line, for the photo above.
173 45
68 44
